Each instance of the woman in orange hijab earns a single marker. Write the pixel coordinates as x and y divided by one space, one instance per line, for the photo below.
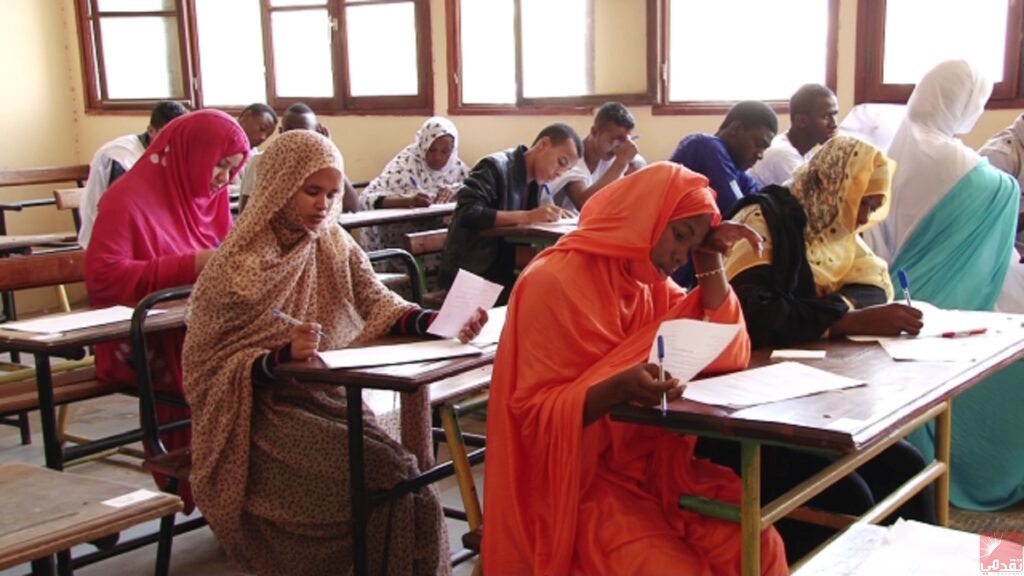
567 490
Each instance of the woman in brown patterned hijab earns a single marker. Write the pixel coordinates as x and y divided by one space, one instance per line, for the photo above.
269 455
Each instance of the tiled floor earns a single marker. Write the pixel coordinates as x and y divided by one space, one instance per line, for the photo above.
196 553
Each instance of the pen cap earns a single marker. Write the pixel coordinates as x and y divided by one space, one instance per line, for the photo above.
661 346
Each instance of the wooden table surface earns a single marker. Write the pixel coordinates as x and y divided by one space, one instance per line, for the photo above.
352 220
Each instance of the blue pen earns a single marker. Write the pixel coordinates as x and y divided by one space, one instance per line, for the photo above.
415 184
294 321
905 284
661 373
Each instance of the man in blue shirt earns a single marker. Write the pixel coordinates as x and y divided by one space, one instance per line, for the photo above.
724 158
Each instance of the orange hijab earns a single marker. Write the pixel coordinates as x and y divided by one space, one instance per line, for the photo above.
584 310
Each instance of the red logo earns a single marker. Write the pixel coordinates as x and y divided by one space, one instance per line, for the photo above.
1001 553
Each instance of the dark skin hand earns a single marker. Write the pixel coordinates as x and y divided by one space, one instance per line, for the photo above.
885 320
637 384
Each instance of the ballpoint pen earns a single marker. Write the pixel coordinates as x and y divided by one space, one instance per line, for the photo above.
291 320
415 184
661 373
905 284
960 333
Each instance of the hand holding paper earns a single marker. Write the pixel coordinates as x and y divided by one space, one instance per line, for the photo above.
468 293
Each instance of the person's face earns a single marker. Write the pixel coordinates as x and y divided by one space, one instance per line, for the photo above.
608 139
553 160
292 121
747 145
820 123
679 238
222 172
868 205
257 127
316 196
440 151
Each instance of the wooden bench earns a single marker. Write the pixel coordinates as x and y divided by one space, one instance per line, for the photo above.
78 174
420 244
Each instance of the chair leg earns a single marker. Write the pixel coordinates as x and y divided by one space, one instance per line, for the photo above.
25 429
163 547
463 471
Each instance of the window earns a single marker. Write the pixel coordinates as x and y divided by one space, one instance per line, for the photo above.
712 54
899 48
364 56
522 55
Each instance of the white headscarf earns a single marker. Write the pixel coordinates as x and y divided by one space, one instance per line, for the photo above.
1005 150
874 123
410 165
930 159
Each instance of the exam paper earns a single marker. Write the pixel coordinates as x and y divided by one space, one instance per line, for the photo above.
468 292
492 330
396 353
913 548
766 384
690 345
75 321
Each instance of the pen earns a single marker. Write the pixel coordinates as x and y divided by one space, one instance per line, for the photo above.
905 284
661 373
960 333
415 184
294 321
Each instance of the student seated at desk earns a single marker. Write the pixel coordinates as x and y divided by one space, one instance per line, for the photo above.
298 116
1005 150
156 228
258 121
425 172
505 189
951 229
117 157
812 113
609 152
270 455
814 279
566 489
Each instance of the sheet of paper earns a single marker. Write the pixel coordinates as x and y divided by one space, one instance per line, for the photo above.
492 330
797 354
396 353
913 548
130 498
938 321
468 292
964 349
766 384
690 345
75 321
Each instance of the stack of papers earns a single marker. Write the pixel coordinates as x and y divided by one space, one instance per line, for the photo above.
772 383
396 354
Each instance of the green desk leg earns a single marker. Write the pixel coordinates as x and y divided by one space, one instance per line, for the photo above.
943 430
750 507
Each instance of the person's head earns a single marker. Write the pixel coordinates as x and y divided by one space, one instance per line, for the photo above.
298 186
747 132
556 149
812 113
298 117
258 121
437 143
202 151
949 98
164 112
844 189
613 124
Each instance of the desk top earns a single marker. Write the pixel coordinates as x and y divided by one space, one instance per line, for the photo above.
352 220
546 230
10 244
843 420
44 511
398 377
29 342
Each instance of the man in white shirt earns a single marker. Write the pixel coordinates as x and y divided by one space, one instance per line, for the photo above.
609 152
812 113
117 157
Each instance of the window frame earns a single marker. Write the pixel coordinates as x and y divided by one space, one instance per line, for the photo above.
663 106
868 86
568 105
342 103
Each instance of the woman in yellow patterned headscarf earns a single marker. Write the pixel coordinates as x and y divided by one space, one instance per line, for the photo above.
816 276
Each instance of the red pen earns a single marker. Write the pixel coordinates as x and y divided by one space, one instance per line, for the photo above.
974 332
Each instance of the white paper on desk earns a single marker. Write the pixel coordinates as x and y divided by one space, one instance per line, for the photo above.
492 330
130 498
797 354
75 321
766 384
911 548
468 292
396 353
690 345
965 349
937 321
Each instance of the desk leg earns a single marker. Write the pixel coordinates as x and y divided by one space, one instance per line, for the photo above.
47 413
750 507
43 566
943 431
357 479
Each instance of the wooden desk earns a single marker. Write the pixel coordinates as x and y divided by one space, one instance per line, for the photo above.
44 512
856 423
400 378
71 344
352 220
23 244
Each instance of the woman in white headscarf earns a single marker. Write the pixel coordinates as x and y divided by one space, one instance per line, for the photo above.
951 227
426 172
1005 150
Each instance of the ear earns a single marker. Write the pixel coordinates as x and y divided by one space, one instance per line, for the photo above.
594 130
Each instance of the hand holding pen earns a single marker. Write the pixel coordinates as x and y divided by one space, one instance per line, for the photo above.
661 373
905 284
305 336
421 199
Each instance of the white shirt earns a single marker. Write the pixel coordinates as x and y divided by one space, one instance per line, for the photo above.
578 173
778 163
125 150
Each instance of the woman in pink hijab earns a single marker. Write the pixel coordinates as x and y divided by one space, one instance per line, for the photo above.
156 227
